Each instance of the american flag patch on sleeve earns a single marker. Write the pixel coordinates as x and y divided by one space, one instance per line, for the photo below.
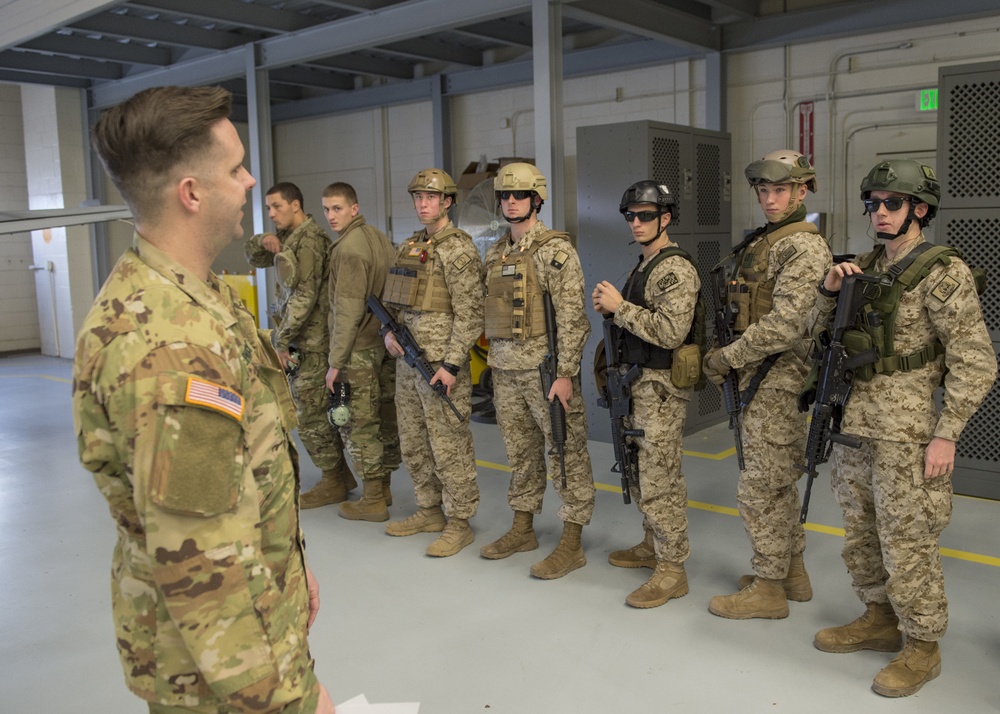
214 396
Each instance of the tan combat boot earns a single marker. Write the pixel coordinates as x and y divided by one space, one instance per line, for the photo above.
425 520
668 581
796 583
877 629
457 534
762 598
386 493
917 664
641 555
332 488
567 557
370 507
520 538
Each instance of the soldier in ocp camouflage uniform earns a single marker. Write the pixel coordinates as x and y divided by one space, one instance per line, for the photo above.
896 491
299 253
436 286
653 319
523 264
359 263
773 279
183 415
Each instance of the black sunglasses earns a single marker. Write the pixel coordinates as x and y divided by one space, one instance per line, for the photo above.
519 195
893 203
643 216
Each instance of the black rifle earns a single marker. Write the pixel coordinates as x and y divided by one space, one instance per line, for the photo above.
413 355
557 414
617 399
725 318
835 380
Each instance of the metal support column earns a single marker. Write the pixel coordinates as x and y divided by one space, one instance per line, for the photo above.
715 92
261 163
547 48
441 109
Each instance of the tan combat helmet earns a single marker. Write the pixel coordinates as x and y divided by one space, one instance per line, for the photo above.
433 180
782 166
520 177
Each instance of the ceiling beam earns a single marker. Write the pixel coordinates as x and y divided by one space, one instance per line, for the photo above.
508 33
367 65
15 77
169 33
426 48
304 77
27 19
744 9
64 66
232 12
845 19
648 19
79 46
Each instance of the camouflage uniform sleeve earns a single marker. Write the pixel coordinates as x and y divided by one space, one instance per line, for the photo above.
799 261
309 258
564 281
464 277
671 291
971 367
199 508
257 255
348 295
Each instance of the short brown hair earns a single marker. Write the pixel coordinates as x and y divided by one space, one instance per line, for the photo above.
345 190
288 191
141 140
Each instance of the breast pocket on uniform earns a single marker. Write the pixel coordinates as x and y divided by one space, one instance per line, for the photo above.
198 464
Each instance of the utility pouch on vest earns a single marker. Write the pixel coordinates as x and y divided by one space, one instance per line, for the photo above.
401 287
686 368
738 293
855 343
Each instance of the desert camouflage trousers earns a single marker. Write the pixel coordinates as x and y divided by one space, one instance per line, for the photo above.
893 521
322 441
774 435
437 448
662 492
523 416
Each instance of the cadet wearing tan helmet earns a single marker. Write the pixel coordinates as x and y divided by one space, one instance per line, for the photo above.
772 277
528 261
895 490
435 287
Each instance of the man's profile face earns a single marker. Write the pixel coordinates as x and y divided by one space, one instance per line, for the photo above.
338 212
227 180
281 212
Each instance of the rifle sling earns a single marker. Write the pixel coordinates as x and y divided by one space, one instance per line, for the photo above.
758 378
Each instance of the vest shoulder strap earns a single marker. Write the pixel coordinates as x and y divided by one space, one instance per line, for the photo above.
798 227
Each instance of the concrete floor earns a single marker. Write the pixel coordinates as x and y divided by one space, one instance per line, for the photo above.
463 634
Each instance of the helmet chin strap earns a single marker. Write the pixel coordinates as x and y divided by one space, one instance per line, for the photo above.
902 229
523 218
654 238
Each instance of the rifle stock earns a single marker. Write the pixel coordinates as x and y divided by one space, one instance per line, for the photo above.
547 370
413 355
617 399
835 381
725 318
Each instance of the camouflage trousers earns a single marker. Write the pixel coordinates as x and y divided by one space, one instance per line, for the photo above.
774 433
662 492
388 425
893 521
362 432
322 441
437 449
523 416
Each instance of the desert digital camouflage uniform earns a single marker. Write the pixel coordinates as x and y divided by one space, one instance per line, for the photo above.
302 310
184 417
660 408
893 517
437 449
359 262
522 408
774 430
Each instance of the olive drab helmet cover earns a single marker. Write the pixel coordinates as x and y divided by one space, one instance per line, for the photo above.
907 177
649 192
782 166
433 180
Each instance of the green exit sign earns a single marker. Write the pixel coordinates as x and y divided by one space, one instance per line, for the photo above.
927 100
